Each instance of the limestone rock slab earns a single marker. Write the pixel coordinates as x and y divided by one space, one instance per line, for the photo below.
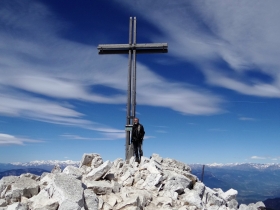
91 200
98 172
73 171
99 187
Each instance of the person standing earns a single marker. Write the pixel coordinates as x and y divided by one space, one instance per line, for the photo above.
137 137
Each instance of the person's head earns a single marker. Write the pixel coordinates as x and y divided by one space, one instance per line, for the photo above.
135 120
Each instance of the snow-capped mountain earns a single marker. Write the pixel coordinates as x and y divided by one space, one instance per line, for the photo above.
240 166
44 164
47 162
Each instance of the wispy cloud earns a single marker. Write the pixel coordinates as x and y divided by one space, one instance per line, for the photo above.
258 158
41 72
80 138
217 130
6 139
265 158
243 35
246 119
161 131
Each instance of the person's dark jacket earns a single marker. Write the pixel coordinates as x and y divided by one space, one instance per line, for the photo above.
138 133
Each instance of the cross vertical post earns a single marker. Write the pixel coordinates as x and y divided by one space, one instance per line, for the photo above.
132 48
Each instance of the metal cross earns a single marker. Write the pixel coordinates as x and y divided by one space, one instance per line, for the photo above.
131 49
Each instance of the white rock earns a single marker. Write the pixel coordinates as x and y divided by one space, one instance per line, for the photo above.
129 202
259 204
100 203
98 172
157 158
126 175
56 169
60 188
73 171
163 202
171 194
210 197
199 187
145 197
115 187
69 205
128 182
151 181
99 187
86 160
31 176
17 206
24 186
177 183
5 182
96 161
243 207
192 198
232 204
3 203
107 206
170 164
152 167
112 199
118 163
144 160
91 200
229 195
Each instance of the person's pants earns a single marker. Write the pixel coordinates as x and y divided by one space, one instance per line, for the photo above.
137 149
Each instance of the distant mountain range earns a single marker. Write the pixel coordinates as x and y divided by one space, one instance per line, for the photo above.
18 172
46 165
254 182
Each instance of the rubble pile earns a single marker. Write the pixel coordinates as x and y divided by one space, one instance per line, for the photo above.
154 183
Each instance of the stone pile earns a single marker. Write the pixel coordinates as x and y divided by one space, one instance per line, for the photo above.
154 183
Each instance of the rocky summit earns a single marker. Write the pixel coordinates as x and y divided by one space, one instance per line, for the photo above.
154 183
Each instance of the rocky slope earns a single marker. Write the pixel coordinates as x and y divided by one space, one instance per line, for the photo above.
155 183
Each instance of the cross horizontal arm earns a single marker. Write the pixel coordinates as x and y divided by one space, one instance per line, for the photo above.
140 48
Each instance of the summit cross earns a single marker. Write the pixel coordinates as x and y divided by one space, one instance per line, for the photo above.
132 48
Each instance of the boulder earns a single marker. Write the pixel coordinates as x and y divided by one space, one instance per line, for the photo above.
96 161
31 176
177 183
98 172
26 186
232 204
99 187
229 195
210 197
86 160
162 202
259 205
17 206
3 203
43 201
56 169
129 203
174 165
151 181
156 158
5 182
199 187
59 188
91 200
192 198
73 171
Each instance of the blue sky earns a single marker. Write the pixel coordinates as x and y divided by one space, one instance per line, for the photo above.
214 97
